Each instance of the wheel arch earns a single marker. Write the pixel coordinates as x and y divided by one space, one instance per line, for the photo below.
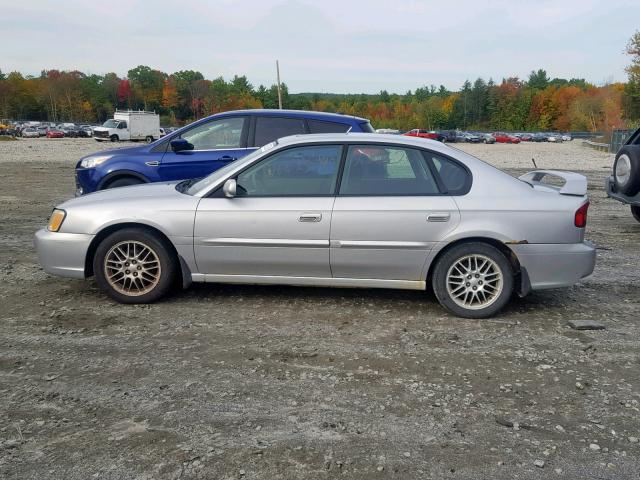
117 174
108 230
521 278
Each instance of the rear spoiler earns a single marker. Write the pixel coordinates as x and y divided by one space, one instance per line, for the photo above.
574 183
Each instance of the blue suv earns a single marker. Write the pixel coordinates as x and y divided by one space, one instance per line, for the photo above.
204 146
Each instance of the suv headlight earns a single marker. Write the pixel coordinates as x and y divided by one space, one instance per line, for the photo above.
56 219
94 161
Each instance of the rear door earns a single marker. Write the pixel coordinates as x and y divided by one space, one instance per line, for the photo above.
216 143
388 214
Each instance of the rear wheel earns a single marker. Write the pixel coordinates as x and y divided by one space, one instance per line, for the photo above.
134 266
124 182
473 280
635 211
626 170
149 139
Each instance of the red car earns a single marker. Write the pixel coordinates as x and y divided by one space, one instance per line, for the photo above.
53 133
417 132
505 138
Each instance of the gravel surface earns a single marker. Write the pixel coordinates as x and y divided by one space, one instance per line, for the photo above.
246 382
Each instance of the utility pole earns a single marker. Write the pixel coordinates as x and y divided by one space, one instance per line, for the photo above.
279 89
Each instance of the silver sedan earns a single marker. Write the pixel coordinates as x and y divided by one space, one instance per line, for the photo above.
339 210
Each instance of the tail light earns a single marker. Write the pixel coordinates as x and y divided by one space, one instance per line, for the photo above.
580 219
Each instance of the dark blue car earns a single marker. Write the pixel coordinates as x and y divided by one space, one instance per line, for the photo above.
204 146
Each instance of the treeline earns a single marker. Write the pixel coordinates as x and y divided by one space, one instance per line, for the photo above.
536 103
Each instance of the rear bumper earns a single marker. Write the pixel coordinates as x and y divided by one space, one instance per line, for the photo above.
62 254
556 265
610 187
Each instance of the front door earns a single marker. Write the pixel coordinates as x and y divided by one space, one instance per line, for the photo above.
388 215
215 144
278 223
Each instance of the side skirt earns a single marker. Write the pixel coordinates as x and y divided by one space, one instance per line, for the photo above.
311 281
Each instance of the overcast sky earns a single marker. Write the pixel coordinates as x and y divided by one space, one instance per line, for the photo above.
324 46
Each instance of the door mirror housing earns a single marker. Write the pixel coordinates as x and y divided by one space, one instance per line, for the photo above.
181 145
229 188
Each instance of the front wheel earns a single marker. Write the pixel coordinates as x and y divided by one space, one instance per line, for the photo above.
473 280
134 266
635 211
114 138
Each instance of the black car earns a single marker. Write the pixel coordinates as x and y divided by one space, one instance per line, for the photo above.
448 136
69 131
539 137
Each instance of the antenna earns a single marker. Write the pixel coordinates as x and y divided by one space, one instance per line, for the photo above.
279 88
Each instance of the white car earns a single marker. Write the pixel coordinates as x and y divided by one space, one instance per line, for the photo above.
30 132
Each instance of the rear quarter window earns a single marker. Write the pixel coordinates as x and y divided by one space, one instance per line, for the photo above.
269 129
319 126
455 177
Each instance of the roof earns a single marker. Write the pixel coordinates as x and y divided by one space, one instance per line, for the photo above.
296 113
365 138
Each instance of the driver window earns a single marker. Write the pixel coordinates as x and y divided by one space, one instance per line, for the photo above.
217 134
301 171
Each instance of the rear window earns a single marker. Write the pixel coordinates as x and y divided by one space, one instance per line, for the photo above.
319 126
269 129
366 127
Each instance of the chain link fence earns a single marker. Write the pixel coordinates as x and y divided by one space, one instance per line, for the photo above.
618 137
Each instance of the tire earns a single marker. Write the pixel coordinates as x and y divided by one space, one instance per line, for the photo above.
635 211
123 182
149 139
458 262
626 170
114 138
151 279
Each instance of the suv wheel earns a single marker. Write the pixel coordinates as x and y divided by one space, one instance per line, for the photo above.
123 182
626 170
473 280
134 266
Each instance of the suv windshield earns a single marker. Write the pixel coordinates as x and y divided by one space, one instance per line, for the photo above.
110 124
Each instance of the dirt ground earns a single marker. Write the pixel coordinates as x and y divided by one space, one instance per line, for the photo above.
246 382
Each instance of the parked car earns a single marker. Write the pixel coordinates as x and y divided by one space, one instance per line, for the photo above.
472 138
505 138
526 137
488 138
30 132
54 133
566 137
42 130
85 131
68 131
624 183
348 210
554 138
429 134
162 132
448 136
198 149
539 137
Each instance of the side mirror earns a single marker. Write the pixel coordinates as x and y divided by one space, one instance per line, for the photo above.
229 188
180 145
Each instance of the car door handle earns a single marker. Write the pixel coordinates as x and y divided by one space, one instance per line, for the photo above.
152 164
227 158
438 217
310 217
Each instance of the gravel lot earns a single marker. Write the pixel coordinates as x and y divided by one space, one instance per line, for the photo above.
280 382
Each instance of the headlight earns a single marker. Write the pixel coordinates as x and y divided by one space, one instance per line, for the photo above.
56 219
93 162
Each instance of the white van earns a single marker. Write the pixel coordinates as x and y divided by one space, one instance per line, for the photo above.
129 125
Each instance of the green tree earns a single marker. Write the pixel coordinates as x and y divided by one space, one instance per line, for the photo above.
631 101
538 80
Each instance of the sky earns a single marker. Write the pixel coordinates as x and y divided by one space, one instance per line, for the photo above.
355 46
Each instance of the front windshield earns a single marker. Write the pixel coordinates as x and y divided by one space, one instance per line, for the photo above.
220 173
110 124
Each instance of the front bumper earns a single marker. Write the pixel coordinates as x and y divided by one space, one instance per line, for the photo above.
555 265
62 254
610 187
